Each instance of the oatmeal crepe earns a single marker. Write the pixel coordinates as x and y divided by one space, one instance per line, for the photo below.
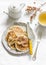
22 43
17 38
18 30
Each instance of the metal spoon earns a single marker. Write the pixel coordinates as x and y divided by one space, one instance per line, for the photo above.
38 41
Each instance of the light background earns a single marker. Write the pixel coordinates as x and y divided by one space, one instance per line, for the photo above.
7 59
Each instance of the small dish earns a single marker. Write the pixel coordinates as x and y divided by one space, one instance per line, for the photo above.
24 26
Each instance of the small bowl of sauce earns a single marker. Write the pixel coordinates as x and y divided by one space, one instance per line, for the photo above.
42 18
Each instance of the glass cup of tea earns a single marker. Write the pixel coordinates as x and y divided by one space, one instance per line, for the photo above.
42 18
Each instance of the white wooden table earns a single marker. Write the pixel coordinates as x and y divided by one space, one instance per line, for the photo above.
7 59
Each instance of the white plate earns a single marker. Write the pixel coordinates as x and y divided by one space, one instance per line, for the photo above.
23 25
